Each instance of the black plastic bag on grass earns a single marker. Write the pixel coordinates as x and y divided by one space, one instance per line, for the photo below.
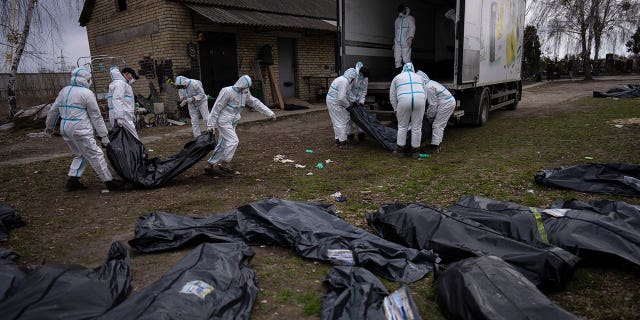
587 233
355 293
626 91
315 232
214 281
56 291
455 237
9 219
609 178
161 231
487 287
128 157
385 136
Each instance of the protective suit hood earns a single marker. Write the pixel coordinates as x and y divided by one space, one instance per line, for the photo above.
359 66
244 82
408 67
116 75
182 81
423 75
351 74
81 77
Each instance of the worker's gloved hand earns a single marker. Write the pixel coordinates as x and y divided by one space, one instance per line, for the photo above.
119 122
48 132
211 129
191 100
273 117
183 102
105 141
431 114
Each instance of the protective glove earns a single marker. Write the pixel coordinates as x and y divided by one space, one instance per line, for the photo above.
48 132
211 129
273 117
191 100
119 122
105 141
183 102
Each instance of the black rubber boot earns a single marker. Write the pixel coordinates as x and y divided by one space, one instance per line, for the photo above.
74 184
362 136
432 149
399 152
114 185
352 139
337 142
345 145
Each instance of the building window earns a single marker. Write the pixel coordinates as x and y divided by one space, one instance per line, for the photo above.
122 5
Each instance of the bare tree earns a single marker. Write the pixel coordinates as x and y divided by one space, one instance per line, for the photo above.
28 17
586 21
20 40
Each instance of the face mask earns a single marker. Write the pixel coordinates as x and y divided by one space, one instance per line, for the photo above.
132 81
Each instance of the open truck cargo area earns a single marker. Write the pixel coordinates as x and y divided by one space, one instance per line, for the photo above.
476 52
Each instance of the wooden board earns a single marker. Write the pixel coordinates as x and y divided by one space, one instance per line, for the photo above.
275 87
255 67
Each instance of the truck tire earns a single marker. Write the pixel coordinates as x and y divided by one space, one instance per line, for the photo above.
483 101
476 107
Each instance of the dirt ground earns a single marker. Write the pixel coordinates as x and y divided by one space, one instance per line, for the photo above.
79 227
540 98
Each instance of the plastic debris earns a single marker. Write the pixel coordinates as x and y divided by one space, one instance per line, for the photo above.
37 135
619 126
319 165
309 151
301 166
309 173
338 197
424 155
328 161
282 159
341 257
588 158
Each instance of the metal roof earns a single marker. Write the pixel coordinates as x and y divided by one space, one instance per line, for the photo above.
263 19
323 9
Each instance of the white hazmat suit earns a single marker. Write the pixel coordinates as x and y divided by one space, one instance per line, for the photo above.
441 106
77 109
196 100
407 98
405 30
121 102
338 102
358 94
226 114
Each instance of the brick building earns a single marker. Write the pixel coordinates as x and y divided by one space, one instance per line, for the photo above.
215 41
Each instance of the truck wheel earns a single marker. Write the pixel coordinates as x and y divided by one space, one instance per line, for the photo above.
484 104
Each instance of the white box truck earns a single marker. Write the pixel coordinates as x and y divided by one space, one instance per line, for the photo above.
478 57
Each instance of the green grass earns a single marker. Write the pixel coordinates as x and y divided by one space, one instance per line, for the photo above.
496 161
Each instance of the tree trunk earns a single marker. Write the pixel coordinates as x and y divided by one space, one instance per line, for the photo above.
11 84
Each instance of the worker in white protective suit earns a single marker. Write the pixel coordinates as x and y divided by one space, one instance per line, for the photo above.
357 96
192 94
441 105
224 116
121 101
77 109
337 104
405 30
407 98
